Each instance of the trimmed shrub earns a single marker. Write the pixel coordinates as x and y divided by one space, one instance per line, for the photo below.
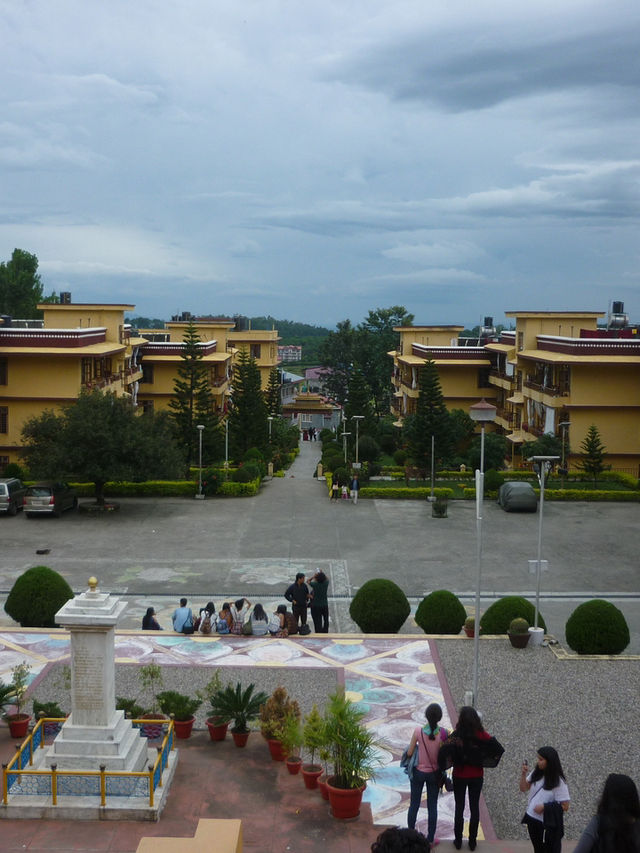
597 627
253 455
405 492
368 449
211 479
36 597
400 456
497 618
247 473
229 489
441 612
15 470
327 435
331 461
492 480
379 607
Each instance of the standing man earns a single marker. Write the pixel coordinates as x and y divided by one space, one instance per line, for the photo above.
183 618
355 487
298 595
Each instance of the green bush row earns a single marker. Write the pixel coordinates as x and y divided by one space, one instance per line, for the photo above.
165 488
420 493
239 490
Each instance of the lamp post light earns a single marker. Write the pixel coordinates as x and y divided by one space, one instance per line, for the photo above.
344 444
226 443
563 426
482 413
270 420
357 419
541 465
200 496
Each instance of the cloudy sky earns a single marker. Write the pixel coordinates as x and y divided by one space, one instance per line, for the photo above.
314 160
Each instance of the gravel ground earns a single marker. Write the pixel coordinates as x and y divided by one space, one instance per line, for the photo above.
586 709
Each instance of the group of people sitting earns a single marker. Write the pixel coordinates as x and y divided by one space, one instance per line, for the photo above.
240 617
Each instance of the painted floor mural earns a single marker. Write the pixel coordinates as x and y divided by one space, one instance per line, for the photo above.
392 679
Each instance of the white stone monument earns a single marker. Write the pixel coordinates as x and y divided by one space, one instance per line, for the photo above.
95 733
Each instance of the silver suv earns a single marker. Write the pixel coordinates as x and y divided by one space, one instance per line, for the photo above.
12 491
49 498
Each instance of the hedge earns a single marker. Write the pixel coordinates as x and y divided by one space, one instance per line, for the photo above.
166 488
420 493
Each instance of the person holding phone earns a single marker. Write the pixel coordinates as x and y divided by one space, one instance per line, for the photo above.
548 799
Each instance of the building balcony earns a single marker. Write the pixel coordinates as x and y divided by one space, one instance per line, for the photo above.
501 380
131 375
219 381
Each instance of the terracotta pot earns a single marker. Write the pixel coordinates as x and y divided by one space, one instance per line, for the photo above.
182 728
519 641
240 738
275 748
470 632
345 802
217 729
18 724
322 785
294 764
311 773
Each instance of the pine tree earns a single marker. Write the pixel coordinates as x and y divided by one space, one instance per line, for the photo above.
248 425
193 402
593 454
359 403
274 404
431 419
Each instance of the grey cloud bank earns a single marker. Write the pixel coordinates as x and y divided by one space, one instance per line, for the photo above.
317 160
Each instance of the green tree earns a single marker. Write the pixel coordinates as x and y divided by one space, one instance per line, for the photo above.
100 438
547 445
462 430
359 403
430 419
337 354
193 403
272 394
20 285
593 454
375 340
248 425
495 450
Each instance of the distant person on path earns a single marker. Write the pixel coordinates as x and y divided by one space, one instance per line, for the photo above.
298 595
149 621
428 740
239 612
548 799
355 488
319 584
334 490
183 618
616 826
259 621
397 840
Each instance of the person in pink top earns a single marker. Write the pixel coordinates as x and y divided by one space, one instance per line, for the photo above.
428 739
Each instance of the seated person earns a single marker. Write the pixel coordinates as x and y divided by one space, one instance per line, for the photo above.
207 618
278 622
239 611
224 616
149 621
259 621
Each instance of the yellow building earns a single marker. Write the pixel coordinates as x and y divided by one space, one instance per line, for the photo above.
46 365
557 372
261 345
463 370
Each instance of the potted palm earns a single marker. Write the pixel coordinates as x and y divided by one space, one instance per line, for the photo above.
17 721
352 750
291 738
241 706
314 737
273 714
182 708
518 633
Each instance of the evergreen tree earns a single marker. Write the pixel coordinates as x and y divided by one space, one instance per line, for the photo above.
375 340
431 419
359 403
193 403
20 286
593 454
337 354
272 394
248 425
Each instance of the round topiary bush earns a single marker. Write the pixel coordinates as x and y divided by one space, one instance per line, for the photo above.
597 627
249 472
368 449
379 607
36 597
497 617
400 456
441 612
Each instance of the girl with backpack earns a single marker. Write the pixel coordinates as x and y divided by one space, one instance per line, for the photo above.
223 623
428 741
239 612
207 618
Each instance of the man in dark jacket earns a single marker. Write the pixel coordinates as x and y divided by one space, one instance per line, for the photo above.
298 595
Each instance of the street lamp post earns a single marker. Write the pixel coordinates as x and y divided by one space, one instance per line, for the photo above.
482 413
541 465
270 420
357 419
344 444
563 426
200 496
226 443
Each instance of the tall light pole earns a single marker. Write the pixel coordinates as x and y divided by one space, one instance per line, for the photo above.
563 426
344 444
226 442
541 465
270 420
482 413
200 496
357 419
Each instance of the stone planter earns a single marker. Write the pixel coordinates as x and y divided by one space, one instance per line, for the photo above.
536 636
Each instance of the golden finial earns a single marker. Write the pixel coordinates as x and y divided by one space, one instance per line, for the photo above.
93 584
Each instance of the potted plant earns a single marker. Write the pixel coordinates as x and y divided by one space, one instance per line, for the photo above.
49 710
132 710
182 708
150 677
17 721
470 626
519 632
291 738
217 725
353 754
439 508
273 713
241 706
314 737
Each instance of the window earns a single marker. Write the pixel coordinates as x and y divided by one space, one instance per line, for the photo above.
254 351
147 374
4 371
520 341
86 370
147 407
4 419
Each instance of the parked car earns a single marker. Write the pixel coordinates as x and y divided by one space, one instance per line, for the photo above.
12 492
517 497
51 498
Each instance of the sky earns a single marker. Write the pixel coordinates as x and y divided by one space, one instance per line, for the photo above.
314 161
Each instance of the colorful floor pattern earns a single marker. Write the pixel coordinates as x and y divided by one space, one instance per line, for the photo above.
392 678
